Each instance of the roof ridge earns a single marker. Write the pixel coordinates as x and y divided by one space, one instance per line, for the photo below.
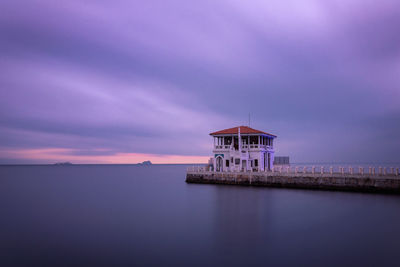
247 130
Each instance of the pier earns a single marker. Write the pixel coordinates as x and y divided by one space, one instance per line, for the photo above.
371 179
245 156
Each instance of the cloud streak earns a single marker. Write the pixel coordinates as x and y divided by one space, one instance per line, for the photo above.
155 78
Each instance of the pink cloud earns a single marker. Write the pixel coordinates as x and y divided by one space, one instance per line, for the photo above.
51 155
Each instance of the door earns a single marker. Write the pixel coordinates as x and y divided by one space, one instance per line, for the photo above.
219 164
244 164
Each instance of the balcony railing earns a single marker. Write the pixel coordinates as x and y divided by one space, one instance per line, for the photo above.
246 146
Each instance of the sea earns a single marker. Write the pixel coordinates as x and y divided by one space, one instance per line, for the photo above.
131 215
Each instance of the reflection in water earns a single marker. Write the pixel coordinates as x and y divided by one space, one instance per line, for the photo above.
240 217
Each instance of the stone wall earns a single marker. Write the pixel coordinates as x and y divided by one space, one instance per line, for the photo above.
324 182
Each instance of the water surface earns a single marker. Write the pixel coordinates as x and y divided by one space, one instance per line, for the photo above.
101 215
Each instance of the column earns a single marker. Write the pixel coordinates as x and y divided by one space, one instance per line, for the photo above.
214 165
272 159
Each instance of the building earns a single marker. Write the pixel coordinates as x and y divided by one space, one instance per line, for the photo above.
254 152
281 160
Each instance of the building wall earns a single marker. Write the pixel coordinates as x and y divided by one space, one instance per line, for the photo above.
251 155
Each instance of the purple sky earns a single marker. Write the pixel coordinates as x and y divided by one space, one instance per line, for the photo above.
122 81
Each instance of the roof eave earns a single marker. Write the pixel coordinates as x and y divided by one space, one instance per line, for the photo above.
226 134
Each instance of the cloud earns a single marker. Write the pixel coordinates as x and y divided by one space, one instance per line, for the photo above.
55 155
156 77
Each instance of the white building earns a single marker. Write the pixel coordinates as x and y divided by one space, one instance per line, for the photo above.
254 152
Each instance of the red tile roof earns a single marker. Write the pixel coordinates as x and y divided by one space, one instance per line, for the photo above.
243 130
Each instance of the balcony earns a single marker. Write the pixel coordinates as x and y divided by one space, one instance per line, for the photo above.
256 147
244 147
225 147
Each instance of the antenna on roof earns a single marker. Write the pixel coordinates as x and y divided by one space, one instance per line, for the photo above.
249 119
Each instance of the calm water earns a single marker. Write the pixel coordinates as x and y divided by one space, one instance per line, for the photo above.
147 215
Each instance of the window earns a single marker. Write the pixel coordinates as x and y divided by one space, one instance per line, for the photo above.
228 140
256 163
227 163
253 139
245 140
237 161
231 159
236 143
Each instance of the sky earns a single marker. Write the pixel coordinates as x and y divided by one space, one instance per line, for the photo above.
128 81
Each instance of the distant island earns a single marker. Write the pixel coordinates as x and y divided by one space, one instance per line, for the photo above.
147 162
67 163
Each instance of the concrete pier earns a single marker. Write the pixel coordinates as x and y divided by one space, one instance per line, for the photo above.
383 183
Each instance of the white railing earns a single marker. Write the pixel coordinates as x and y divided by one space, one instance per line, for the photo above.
380 171
314 170
245 146
198 169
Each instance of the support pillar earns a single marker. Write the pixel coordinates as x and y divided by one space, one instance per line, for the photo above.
214 164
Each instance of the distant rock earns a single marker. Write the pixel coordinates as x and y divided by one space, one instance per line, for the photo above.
147 162
63 163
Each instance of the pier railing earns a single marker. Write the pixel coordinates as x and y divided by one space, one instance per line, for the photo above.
312 171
